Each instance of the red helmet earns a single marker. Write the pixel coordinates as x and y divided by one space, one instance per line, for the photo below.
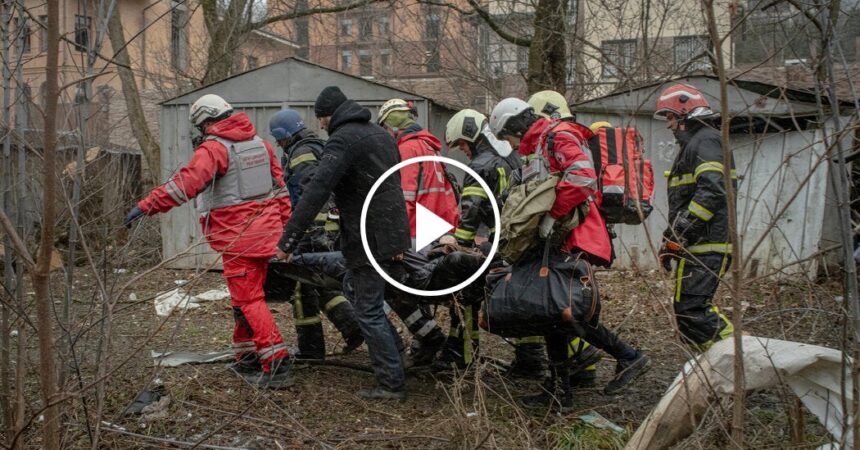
681 100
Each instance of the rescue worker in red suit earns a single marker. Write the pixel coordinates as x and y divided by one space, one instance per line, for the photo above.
238 187
558 147
698 232
429 184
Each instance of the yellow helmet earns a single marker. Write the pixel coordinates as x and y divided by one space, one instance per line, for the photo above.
550 105
466 125
598 125
395 104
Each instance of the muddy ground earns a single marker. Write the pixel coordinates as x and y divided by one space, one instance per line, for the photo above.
210 406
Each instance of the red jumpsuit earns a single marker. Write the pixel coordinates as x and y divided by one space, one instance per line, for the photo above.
245 234
435 192
578 184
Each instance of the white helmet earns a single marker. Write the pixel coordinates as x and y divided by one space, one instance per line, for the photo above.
395 104
210 106
466 124
504 111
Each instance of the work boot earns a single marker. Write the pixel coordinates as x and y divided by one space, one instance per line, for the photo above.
584 379
381 393
626 371
277 378
555 391
528 362
247 363
422 352
342 315
583 371
311 340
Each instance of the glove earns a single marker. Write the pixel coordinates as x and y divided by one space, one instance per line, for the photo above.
133 215
545 227
680 227
668 252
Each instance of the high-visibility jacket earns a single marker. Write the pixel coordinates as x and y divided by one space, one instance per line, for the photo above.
238 226
475 206
426 183
578 185
696 184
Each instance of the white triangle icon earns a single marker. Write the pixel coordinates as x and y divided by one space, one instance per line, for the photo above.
428 226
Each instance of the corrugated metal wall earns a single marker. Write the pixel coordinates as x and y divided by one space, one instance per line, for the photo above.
180 230
783 183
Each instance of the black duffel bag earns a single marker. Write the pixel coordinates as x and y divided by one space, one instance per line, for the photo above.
541 295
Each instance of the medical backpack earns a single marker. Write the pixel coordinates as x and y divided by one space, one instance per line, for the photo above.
625 177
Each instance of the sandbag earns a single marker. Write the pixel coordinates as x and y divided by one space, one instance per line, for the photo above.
540 295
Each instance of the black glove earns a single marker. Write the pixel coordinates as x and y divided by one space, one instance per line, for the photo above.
133 215
680 228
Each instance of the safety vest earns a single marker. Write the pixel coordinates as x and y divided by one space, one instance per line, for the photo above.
248 176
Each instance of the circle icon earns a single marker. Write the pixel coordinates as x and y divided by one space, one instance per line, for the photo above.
375 264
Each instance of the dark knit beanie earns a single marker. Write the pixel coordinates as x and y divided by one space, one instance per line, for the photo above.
328 101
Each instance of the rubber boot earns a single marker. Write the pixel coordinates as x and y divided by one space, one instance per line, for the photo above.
529 360
311 340
341 313
309 330
555 393
422 352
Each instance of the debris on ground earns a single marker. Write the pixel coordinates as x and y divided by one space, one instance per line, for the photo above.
176 298
174 359
144 399
594 419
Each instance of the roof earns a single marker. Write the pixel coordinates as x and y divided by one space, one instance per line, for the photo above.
747 98
298 80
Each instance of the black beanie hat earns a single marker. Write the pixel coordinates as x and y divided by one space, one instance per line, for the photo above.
328 101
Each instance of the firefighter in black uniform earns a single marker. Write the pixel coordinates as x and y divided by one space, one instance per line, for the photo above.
302 150
698 232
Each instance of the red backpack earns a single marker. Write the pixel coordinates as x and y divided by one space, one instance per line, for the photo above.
625 177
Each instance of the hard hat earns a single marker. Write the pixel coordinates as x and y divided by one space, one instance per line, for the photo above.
504 111
682 100
465 125
550 105
598 125
209 106
285 123
395 104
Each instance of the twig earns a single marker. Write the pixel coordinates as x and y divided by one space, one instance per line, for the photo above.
169 441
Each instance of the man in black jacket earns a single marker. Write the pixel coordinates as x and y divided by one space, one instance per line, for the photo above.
302 150
355 156
698 232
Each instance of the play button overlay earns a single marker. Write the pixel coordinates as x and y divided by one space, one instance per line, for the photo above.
428 227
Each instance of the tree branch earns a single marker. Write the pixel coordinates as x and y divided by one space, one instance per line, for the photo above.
17 242
306 12
486 17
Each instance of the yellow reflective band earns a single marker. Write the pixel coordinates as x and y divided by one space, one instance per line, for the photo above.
709 248
503 180
530 340
666 173
321 217
308 321
335 302
464 235
331 226
679 278
700 211
681 180
475 191
302 159
710 166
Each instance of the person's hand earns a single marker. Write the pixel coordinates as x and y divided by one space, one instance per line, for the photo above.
399 257
545 227
283 256
133 215
668 252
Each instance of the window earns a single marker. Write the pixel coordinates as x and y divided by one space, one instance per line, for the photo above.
432 27
365 28
43 33
365 63
383 26
504 58
690 50
178 36
433 62
346 61
618 57
346 27
82 32
23 32
385 58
